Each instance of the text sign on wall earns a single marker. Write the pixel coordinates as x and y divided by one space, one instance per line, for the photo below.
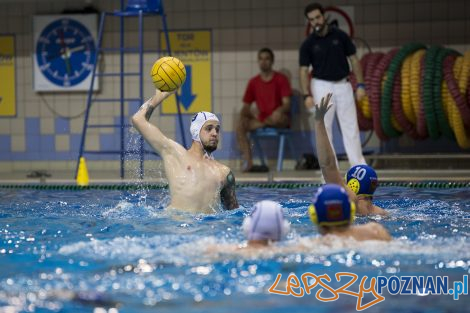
193 48
7 76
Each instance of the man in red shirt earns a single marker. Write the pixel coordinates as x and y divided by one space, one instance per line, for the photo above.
271 91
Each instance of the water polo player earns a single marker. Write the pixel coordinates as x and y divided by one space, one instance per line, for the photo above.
333 212
361 179
197 182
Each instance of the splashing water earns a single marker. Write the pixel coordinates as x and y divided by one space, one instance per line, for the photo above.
78 251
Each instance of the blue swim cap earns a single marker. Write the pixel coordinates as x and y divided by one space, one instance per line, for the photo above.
266 222
331 207
362 179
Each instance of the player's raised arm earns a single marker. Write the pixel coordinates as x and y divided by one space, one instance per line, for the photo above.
326 156
150 132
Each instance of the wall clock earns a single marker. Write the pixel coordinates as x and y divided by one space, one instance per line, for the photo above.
64 52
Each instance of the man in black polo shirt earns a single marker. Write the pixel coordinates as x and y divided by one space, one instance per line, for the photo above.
327 49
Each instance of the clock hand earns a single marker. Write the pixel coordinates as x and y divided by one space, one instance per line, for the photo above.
76 49
65 56
64 52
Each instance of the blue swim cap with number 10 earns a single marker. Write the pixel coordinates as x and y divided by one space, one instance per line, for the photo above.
362 179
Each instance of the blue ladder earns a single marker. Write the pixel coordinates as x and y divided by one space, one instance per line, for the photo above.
139 9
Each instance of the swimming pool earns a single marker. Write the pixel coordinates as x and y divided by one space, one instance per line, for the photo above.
118 251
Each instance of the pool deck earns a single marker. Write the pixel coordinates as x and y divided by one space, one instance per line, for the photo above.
390 168
313 176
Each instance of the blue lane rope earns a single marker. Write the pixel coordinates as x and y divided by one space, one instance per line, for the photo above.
280 185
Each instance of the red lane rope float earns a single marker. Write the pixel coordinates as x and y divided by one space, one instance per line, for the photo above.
370 62
464 77
369 67
376 91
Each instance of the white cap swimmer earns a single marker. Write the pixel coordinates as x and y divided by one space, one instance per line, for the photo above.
266 222
198 121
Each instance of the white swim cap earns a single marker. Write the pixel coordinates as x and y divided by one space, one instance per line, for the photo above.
266 222
198 121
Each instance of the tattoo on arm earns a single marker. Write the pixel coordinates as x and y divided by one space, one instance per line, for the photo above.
227 194
148 109
149 112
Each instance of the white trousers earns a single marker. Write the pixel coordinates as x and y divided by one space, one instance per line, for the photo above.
342 103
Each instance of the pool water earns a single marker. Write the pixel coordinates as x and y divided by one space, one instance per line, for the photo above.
119 251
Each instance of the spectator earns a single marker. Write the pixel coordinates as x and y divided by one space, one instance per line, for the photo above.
271 92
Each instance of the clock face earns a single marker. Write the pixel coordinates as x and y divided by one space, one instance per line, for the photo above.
65 52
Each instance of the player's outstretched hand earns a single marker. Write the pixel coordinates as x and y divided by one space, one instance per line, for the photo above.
322 107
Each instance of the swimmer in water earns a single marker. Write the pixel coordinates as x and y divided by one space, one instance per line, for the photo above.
333 212
264 227
197 182
361 180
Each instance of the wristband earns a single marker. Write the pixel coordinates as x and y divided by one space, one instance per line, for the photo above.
361 85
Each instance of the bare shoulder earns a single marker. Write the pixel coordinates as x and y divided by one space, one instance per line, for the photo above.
173 151
223 169
366 207
378 210
226 173
378 231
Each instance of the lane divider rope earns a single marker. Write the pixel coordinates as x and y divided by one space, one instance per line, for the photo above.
278 185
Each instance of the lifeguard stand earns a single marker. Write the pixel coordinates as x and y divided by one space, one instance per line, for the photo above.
134 9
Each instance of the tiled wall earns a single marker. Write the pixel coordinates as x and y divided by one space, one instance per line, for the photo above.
48 126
